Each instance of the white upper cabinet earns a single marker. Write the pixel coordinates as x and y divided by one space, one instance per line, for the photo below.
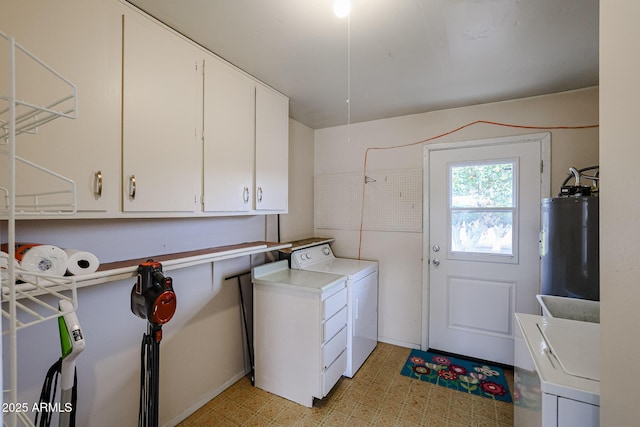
246 143
272 150
82 41
229 104
164 127
162 119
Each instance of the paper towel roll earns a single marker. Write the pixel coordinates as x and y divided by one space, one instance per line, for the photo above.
47 259
4 265
81 262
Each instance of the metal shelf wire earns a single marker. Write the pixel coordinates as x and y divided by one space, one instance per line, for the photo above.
28 116
19 117
31 307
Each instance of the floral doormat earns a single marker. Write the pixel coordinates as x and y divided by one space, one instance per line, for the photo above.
458 374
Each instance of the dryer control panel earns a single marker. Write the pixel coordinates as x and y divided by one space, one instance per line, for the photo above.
308 256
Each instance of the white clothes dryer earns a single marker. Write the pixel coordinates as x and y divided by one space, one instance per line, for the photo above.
362 298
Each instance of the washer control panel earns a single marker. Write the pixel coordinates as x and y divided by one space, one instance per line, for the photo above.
305 257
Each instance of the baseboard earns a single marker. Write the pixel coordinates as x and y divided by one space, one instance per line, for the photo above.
399 343
204 400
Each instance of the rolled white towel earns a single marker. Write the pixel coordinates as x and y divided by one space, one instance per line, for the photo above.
38 258
4 265
81 262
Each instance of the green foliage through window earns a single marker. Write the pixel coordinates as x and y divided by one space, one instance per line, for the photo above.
482 202
485 185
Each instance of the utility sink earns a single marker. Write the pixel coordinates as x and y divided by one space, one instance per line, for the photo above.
570 308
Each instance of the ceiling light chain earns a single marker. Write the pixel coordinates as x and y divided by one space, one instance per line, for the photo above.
349 78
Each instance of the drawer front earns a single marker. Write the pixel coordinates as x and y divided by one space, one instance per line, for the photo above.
333 325
332 348
333 373
334 303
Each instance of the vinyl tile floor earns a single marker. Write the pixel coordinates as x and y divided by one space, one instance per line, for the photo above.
376 396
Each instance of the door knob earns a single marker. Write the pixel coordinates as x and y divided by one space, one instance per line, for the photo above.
436 248
436 262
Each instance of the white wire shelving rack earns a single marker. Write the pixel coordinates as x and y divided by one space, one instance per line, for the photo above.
24 294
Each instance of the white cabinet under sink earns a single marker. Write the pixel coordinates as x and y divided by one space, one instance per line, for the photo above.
556 375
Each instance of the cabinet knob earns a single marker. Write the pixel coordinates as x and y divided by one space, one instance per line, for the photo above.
245 195
259 194
132 187
97 184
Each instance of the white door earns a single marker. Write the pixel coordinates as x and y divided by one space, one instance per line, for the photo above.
484 221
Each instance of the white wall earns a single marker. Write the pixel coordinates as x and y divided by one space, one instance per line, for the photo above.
298 223
400 254
202 347
619 212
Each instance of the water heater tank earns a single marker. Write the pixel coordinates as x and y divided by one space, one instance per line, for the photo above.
569 247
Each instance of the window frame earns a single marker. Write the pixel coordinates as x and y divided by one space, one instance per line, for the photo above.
490 257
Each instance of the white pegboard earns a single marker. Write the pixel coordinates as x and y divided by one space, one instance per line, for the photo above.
337 201
392 201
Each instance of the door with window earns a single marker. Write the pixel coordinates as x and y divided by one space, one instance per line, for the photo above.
484 221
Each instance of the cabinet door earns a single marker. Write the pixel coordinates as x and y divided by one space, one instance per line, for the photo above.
228 138
161 129
272 150
83 148
572 413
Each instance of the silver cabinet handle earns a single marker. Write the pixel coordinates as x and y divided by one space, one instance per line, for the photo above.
436 262
245 195
97 184
132 187
259 194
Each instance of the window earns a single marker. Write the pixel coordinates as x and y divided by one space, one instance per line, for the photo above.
482 208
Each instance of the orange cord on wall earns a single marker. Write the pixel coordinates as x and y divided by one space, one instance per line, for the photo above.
366 153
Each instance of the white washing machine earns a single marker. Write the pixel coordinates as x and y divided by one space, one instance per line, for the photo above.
362 298
556 372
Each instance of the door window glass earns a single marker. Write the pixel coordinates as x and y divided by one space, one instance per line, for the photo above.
482 207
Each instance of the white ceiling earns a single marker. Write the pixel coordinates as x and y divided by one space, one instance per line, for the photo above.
395 57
